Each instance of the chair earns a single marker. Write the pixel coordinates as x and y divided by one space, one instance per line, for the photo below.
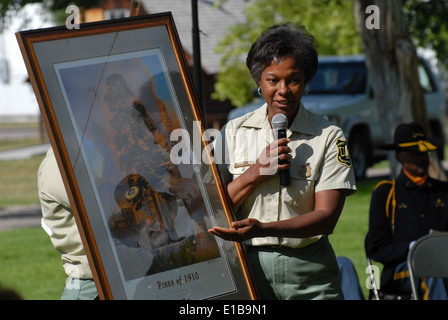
428 257
375 292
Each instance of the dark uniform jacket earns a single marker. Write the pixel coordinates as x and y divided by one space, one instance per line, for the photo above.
402 212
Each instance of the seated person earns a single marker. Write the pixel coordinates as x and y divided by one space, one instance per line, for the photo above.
405 209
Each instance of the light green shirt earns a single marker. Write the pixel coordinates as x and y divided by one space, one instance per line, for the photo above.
59 221
320 162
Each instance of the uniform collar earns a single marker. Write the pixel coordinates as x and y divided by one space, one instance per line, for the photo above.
412 185
300 124
258 119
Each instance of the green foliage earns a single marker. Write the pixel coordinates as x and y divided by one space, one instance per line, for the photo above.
426 22
234 83
337 35
331 22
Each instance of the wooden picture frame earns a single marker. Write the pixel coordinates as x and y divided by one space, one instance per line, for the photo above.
112 94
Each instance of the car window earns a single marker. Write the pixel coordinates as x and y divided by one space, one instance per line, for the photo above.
339 78
425 80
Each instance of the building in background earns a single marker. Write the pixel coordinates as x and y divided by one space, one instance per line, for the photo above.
17 100
17 97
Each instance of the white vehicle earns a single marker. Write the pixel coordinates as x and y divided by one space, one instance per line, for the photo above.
341 91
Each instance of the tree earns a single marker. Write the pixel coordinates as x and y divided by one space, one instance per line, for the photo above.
392 61
427 24
390 50
333 24
337 35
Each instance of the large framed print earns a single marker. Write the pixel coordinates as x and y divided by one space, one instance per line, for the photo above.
123 120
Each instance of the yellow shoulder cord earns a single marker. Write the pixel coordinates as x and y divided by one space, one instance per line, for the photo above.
390 199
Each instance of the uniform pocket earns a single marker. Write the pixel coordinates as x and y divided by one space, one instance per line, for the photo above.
300 193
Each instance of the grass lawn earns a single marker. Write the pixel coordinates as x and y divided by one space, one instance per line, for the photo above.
30 265
18 184
349 234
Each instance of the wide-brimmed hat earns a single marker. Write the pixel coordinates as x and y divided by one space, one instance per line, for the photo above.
410 137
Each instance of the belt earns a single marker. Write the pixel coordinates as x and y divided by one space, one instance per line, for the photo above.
319 242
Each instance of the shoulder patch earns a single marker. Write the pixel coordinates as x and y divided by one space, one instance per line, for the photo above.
343 154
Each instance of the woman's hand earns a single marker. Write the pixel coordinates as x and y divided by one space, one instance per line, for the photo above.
240 231
267 164
320 221
274 157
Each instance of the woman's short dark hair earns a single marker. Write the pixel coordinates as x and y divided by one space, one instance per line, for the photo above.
280 42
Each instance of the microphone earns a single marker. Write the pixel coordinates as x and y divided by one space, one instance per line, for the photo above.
280 123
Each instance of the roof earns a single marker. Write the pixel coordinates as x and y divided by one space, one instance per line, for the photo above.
213 24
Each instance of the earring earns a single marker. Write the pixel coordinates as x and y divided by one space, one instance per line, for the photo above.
259 91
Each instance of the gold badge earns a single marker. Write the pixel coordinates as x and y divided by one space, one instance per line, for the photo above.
343 154
439 203
402 206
